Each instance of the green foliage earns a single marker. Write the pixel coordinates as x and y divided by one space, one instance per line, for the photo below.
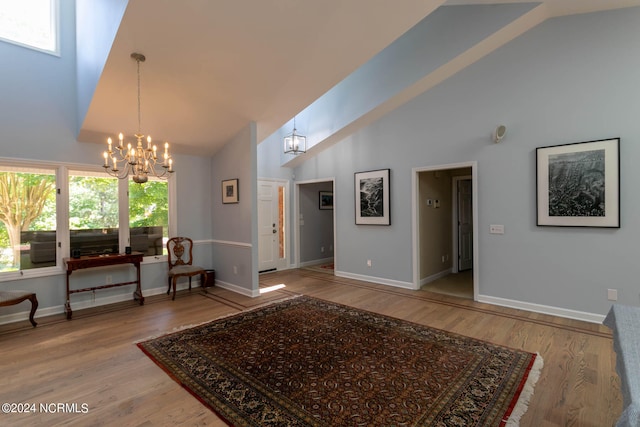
93 203
148 204
4 236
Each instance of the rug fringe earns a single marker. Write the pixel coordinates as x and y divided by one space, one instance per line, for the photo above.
527 392
193 325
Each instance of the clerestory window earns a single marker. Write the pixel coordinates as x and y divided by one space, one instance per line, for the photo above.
30 23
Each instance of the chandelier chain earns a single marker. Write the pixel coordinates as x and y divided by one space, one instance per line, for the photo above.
139 96
135 159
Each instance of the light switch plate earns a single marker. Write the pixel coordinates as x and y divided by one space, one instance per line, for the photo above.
496 229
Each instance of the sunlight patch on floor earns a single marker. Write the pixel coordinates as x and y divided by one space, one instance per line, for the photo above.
272 288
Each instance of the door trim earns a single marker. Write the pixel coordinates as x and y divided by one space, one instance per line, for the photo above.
415 215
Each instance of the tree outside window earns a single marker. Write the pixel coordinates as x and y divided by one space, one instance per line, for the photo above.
93 213
27 218
149 216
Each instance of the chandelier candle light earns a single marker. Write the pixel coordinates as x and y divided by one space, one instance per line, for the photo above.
138 161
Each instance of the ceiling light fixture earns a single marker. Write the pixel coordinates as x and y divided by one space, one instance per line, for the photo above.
138 161
295 143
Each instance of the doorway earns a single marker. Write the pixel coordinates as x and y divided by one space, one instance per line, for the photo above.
315 224
445 220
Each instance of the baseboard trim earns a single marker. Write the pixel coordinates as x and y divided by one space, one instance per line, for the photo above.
237 289
378 280
435 277
543 309
316 261
98 302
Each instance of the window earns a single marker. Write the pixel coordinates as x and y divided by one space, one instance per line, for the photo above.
93 213
48 210
27 218
30 23
149 216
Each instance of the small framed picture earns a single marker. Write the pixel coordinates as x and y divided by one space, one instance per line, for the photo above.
578 184
372 197
230 191
326 200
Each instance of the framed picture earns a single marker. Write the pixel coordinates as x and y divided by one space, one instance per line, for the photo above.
326 200
230 191
372 197
578 184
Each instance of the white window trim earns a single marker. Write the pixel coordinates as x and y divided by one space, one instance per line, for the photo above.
62 215
55 22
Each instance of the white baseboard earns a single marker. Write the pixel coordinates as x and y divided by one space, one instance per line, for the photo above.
544 309
237 289
379 280
435 277
316 261
97 302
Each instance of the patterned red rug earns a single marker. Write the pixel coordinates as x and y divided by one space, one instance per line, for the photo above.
308 362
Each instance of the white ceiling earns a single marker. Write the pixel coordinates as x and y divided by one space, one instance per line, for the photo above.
213 66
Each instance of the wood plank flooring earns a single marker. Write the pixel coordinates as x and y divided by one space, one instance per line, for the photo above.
93 360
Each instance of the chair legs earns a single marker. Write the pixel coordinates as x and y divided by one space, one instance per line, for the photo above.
34 307
173 281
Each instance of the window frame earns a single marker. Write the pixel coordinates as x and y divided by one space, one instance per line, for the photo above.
62 215
55 22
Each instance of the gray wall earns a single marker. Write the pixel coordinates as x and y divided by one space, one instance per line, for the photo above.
568 80
39 121
235 225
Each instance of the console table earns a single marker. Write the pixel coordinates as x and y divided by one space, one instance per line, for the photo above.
73 264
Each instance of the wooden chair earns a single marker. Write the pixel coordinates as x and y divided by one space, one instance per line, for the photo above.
16 297
180 257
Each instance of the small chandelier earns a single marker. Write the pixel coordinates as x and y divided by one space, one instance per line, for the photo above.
295 143
138 161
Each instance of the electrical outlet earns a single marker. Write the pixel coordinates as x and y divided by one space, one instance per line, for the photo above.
322 249
368 263
612 294
109 280
235 269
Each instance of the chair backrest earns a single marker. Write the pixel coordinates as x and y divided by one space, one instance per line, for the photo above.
180 251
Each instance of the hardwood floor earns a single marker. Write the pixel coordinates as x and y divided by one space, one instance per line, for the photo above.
93 360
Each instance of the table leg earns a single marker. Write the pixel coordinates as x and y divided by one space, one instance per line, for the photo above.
67 305
137 295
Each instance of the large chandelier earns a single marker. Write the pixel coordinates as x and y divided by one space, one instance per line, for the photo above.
295 143
139 161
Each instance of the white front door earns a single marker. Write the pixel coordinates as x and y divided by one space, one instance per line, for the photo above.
465 225
271 248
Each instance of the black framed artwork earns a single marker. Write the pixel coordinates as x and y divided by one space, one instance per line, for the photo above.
372 197
578 184
325 201
230 191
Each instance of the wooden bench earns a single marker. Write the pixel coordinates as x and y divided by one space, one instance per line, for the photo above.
16 297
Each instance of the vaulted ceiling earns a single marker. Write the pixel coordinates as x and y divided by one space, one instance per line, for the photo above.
214 66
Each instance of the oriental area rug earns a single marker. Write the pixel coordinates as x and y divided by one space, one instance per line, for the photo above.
309 362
